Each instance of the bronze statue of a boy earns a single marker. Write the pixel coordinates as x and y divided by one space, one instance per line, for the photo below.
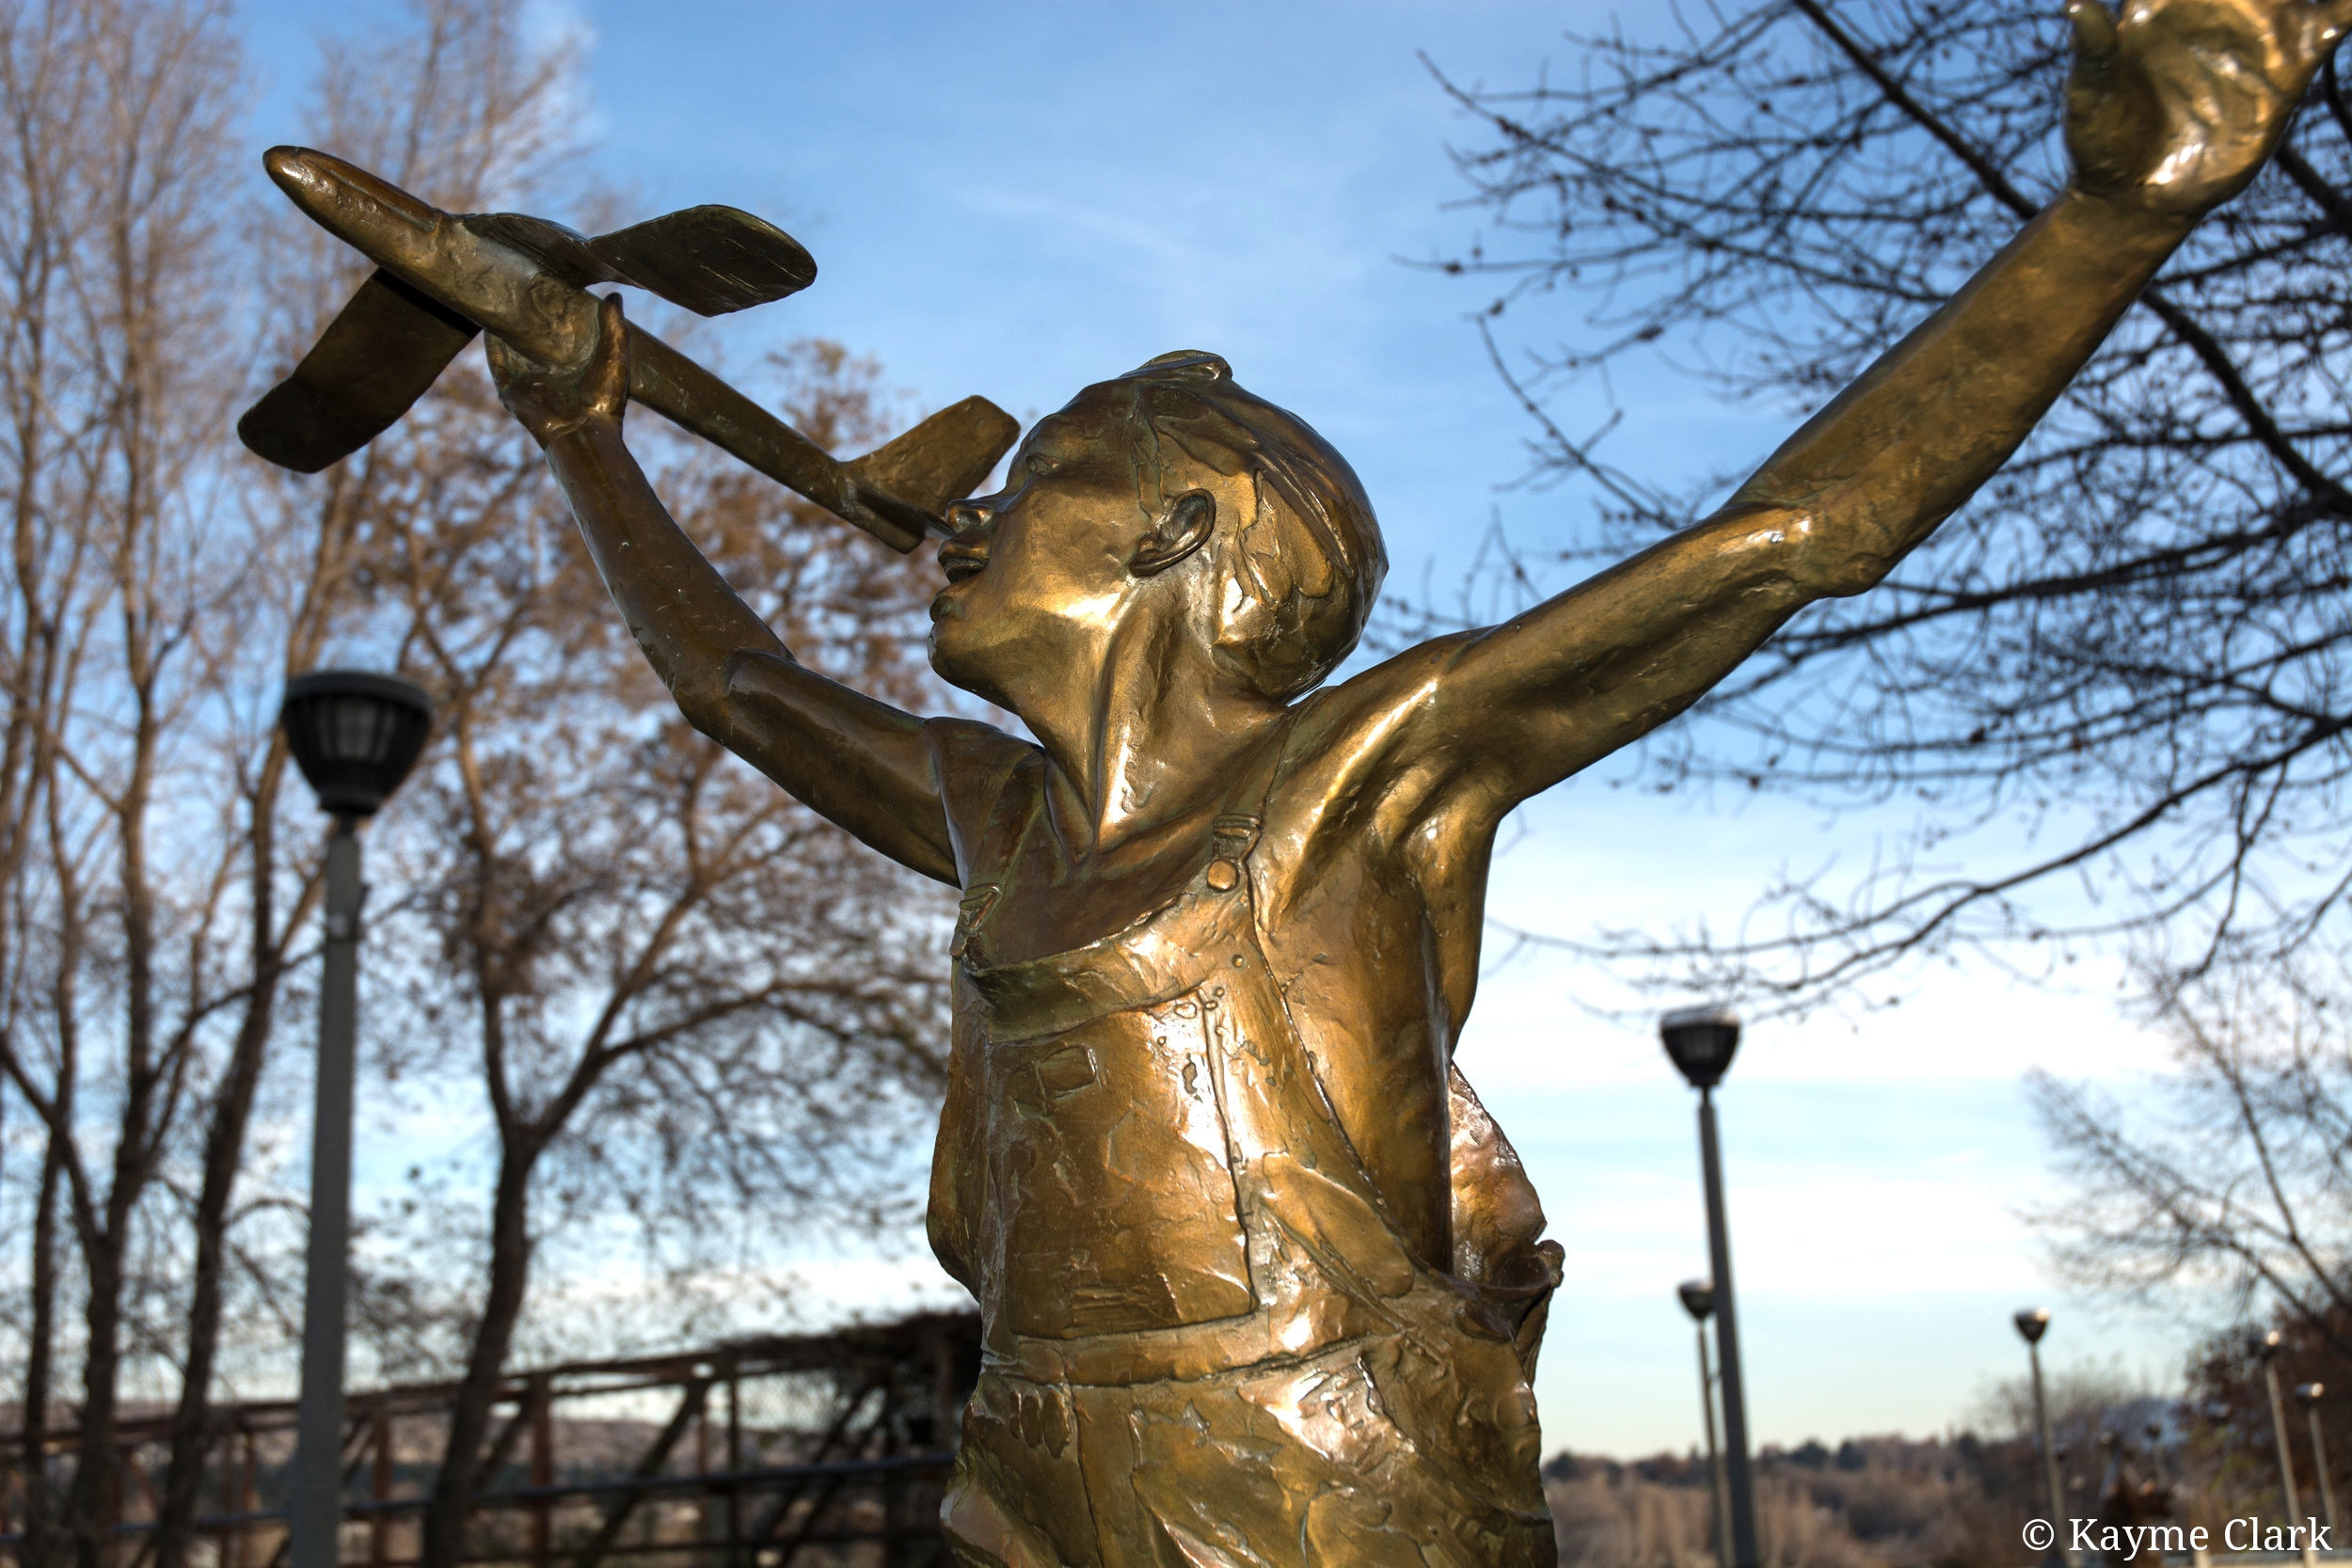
1262 1282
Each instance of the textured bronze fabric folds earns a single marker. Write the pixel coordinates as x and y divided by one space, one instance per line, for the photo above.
1187 1276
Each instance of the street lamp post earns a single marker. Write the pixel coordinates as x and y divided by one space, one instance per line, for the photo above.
2265 1348
1698 1299
2153 1431
2216 1414
2308 1394
1700 1041
355 735
2032 1323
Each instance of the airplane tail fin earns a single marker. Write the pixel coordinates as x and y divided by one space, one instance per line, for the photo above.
942 459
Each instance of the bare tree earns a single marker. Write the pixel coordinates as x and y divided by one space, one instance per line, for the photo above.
142 774
685 999
2133 641
2219 1194
115 118
46 565
2227 1180
468 115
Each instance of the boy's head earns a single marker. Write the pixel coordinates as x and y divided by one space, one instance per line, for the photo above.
1168 485
1304 563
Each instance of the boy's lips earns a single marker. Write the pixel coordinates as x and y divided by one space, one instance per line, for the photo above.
961 560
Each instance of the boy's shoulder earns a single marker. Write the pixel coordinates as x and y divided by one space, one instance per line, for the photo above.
987 781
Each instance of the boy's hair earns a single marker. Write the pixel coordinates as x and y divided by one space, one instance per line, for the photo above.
1308 564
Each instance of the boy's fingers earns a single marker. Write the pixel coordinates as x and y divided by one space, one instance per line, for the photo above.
607 374
2094 37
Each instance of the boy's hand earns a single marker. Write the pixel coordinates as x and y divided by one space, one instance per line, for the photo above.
2172 108
552 403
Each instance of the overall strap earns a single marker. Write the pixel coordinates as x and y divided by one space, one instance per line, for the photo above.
1235 833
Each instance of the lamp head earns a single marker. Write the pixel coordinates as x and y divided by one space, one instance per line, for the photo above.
1698 1298
2310 1392
2032 1323
2263 1346
354 734
1700 1041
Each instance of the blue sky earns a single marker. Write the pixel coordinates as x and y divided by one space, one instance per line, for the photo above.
1018 199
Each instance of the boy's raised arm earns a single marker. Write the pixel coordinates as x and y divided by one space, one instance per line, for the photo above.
2169 114
860 763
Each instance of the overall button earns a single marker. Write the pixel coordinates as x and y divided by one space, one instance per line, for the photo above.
1224 875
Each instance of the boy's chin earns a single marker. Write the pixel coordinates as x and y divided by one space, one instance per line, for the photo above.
964 668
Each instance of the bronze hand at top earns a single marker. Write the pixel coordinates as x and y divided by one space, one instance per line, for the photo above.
2174 108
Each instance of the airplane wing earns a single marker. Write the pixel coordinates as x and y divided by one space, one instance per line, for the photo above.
710 260
374 359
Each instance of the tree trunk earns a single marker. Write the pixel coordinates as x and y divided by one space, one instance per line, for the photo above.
224 1148
92 1466
40 1510
446 1514
94 1506
97 1496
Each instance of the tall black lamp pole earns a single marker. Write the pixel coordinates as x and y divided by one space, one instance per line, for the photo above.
2309 1395
1698 1299
2032 1323
355 735
1700 1041
2265 1348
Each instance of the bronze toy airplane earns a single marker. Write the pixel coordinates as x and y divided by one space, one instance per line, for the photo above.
443 277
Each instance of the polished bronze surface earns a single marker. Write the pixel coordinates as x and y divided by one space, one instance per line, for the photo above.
443 277
1262 1283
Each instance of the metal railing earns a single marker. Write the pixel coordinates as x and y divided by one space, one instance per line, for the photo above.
780 1453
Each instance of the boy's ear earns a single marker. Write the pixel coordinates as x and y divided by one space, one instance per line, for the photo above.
1183 528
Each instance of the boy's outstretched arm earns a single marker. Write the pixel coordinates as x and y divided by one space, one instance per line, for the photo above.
2170 112
861 763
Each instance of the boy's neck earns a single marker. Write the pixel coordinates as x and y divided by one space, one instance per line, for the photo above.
1154 743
